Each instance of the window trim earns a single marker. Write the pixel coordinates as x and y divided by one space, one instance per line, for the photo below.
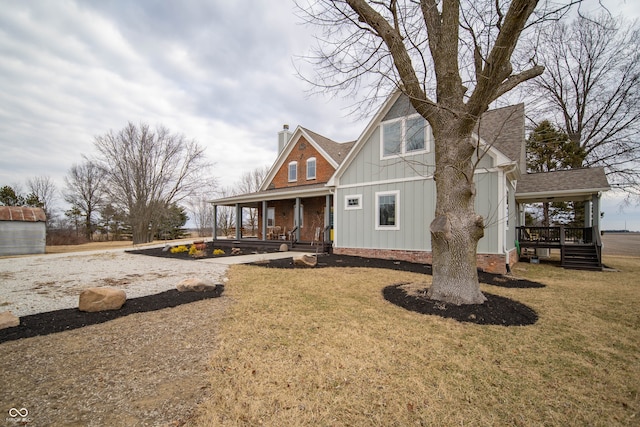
396 226
352 196
315 165
403 138
295 178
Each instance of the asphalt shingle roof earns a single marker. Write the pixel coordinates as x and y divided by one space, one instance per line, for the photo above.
503 128
336 150
565 180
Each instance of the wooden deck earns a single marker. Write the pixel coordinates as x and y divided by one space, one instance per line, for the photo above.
580 248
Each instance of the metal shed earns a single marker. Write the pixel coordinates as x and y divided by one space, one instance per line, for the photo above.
22 230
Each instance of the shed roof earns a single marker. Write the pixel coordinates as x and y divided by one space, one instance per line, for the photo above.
22 213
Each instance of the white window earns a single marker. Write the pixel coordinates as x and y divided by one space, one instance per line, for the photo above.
387 210
311 168
406 135
353 202
293 171
271 217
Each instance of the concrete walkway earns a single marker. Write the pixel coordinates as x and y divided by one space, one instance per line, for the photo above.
246 259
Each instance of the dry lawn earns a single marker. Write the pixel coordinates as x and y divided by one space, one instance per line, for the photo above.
323 348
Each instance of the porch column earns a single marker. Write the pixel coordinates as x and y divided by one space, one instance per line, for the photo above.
587 214
327 218
595 203
215 222
296 215
238 221
520 217
264 220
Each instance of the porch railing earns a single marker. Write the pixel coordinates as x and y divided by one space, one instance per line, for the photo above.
558 235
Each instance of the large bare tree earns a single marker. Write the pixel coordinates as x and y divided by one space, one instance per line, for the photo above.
85 191
591 90
147 171
44 189
452 59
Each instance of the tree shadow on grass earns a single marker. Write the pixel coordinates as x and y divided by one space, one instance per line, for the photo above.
72 318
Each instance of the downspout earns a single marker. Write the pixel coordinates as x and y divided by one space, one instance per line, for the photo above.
507 253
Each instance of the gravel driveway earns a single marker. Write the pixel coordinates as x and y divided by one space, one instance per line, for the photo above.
36 284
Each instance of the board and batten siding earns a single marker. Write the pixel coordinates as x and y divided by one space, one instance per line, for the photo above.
411 175
417 198
415 212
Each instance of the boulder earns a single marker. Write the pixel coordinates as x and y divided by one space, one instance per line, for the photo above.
284 247
101 299
305 260
8 320
194 284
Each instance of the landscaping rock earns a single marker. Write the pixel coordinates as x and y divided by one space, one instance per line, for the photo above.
236 251
101 299
306 260
284 247
194 284
8 320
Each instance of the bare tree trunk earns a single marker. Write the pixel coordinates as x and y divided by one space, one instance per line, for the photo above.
456 228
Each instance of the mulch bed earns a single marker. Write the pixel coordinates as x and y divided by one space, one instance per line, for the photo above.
496 310
72 318
206 253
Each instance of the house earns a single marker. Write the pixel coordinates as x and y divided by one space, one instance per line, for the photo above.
294 202
22 230
375 197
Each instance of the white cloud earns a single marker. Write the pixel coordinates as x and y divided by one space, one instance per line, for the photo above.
217 71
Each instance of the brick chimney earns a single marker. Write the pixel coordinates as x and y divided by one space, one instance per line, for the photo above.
283 137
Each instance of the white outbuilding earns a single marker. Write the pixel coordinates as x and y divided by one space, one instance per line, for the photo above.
22 230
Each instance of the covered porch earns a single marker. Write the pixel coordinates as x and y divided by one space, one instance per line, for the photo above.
580 247
300 217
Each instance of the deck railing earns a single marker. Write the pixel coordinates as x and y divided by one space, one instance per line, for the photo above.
557 235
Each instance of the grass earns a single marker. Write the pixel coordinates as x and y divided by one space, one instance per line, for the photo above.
322 347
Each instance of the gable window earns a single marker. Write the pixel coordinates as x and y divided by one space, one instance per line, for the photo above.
293 171
311 168
387 210
353 202
406 135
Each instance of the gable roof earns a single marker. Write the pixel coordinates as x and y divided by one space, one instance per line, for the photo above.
571 184
501 129
333 152
22 213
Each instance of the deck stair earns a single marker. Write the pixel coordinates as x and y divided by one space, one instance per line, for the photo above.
581 257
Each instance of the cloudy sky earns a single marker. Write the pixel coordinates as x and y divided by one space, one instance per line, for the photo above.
221 72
